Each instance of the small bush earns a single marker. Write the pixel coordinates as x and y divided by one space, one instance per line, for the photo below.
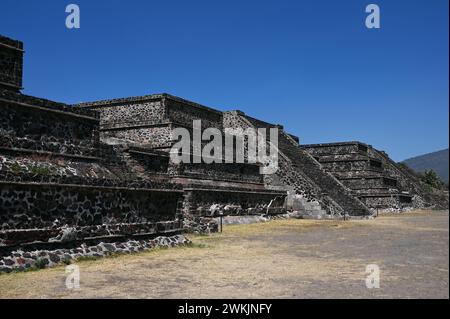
87 258
41 263
40 170
16 168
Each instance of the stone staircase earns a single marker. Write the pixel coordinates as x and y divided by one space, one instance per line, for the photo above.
319 191
334 188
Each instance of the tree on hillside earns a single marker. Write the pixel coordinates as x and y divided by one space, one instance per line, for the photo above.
432 179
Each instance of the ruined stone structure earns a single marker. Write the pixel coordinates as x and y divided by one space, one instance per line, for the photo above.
372 176
308 183
238 188
55 174
11 55
101 171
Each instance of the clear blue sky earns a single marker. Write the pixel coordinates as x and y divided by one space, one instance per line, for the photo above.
309 65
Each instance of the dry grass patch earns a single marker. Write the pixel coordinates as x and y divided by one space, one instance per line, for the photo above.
282 225
281 259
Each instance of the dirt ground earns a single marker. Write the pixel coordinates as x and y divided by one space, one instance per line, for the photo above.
277 259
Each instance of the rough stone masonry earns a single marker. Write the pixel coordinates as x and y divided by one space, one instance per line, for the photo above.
100 172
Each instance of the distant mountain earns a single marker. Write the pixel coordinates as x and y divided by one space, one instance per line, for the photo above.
437 161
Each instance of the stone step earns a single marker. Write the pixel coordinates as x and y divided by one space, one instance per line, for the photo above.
335 190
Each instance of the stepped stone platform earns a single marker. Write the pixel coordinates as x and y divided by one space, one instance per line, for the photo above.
372 176
101 171
56 177
55 174
145 124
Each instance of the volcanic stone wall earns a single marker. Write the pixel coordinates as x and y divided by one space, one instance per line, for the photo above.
369 182
32 205
224 171
11 63
422 195
140 120
154 137
345 148
39 128
149 120
212 202
360 168
150 111
147 161
59 183
391 169
50 194
183 113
